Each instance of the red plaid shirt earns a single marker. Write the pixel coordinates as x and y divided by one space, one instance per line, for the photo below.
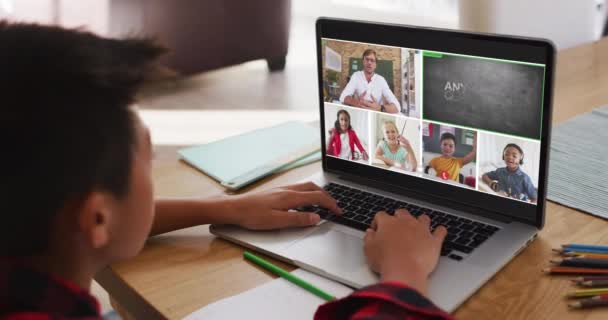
28 294
385 301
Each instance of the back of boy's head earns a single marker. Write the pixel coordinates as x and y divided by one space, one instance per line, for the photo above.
447 136
65 124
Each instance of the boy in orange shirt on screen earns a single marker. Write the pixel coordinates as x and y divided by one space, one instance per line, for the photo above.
446 166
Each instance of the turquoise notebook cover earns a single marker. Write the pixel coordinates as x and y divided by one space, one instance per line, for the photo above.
239 160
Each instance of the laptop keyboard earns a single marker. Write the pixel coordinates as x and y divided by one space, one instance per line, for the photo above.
359 207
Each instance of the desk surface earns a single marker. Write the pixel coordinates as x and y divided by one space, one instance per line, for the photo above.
182 271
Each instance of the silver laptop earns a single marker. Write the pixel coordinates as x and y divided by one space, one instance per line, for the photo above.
449 124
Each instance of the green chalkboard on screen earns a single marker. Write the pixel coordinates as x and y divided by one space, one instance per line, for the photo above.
383 68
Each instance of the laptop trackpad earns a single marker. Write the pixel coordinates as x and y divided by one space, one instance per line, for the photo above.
329 248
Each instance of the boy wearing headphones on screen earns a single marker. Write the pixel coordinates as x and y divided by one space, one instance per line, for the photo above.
511 181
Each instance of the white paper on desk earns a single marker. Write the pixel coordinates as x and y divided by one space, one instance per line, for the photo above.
277 299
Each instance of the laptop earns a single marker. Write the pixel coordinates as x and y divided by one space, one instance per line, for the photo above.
474 112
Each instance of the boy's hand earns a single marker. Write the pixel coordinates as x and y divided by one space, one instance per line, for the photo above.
402 248
269 210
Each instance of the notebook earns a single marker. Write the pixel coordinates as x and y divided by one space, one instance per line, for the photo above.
242 159
277 299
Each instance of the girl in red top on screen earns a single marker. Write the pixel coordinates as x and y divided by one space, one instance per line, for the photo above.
343 139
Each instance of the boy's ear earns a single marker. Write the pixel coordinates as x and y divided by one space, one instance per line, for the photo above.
94 219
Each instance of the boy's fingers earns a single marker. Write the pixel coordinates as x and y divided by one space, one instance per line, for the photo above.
424 219
284 219
307 198
440 233
369 235
378 219
402 213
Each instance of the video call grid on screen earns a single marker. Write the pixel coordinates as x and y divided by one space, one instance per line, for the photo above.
493 146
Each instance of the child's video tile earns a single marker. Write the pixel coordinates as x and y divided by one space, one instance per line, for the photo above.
497 96
509 167
396 142
347 133
370 77
449 154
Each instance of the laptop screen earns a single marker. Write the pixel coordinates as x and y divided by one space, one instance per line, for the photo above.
469 123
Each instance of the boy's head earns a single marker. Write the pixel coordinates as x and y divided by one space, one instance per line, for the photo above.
77 157
513 156
448 144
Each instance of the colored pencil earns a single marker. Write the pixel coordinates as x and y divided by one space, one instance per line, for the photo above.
594 283
581 262
570 270
589 278
585 255
587 292
580 250
288 276
597 301
585 246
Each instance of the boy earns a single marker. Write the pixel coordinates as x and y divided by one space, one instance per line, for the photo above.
446 166
511 181
77 193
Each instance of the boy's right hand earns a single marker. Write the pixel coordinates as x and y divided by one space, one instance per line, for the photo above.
402 248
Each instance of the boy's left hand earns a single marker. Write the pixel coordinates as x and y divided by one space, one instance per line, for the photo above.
269 209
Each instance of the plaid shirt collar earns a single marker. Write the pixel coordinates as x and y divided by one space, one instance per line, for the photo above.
24 291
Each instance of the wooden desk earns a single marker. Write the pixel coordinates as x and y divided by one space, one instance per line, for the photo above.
182 271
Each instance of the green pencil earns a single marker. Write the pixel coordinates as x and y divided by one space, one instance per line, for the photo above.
288 276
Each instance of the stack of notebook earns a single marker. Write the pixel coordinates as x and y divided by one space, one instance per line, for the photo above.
240 160
590 261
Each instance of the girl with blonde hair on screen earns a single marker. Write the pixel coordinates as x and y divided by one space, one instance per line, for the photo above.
394 149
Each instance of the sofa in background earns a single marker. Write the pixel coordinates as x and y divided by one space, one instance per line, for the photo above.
208 34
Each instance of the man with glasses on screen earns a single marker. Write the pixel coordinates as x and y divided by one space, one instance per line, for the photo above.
369 90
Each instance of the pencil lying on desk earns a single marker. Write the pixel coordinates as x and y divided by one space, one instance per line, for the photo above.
585 255
587 293
597 301
566 251
288 276
589 278
570 270
581 262
574 246
594 283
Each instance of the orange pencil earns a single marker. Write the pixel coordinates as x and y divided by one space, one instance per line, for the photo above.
570 270
585 255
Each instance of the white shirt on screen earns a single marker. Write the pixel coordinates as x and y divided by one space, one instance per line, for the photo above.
377 88
345 147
